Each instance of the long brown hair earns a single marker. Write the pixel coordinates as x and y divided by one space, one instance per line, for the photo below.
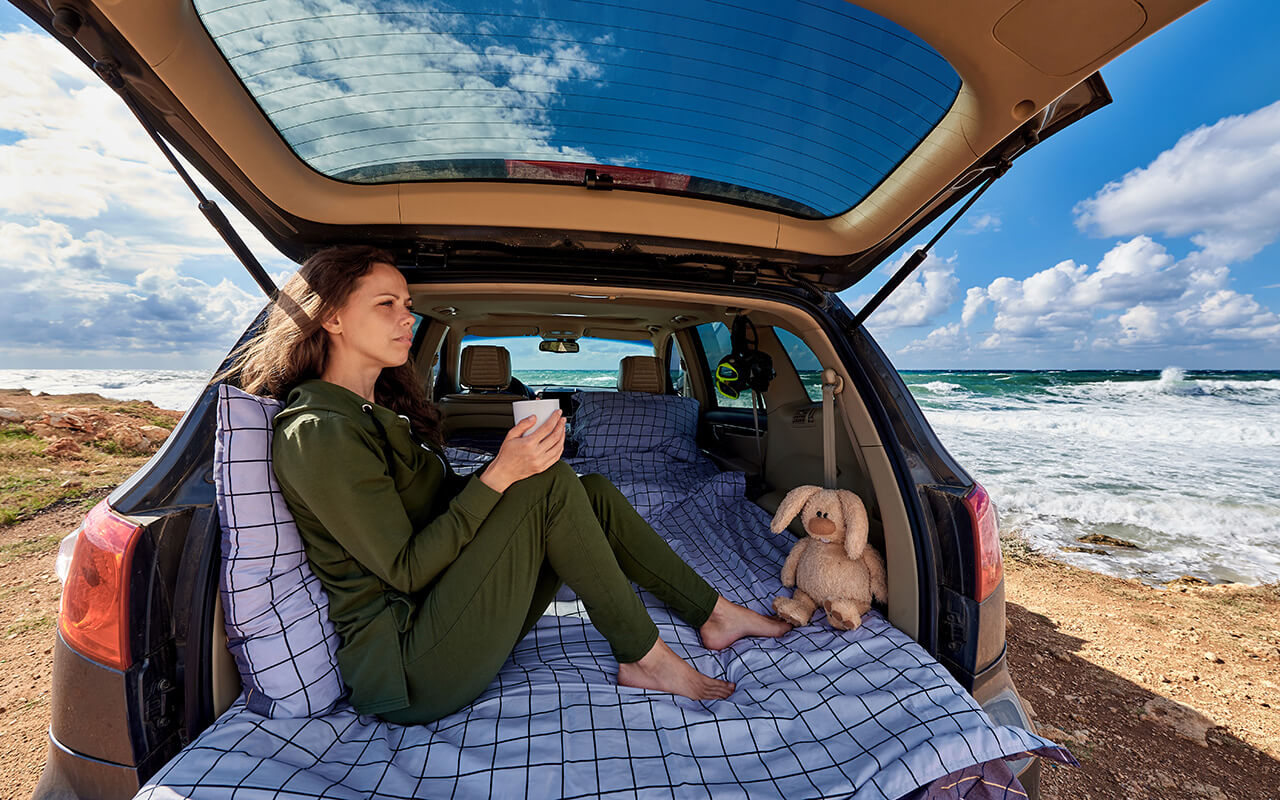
293 347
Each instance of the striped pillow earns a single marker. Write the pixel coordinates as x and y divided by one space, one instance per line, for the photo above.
277 614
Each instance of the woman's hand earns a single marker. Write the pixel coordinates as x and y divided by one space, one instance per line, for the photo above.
521 456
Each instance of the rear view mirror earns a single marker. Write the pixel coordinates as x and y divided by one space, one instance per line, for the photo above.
558 346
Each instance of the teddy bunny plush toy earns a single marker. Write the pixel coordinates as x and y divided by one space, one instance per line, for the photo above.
833 566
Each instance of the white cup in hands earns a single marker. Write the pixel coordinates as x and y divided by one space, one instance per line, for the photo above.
542 409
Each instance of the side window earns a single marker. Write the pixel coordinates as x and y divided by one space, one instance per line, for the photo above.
806 363
676 368
716 341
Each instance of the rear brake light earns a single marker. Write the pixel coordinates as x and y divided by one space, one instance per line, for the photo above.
989 565
569 172
94 617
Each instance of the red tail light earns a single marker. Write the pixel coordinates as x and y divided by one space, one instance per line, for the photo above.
574 173
986 542
94 617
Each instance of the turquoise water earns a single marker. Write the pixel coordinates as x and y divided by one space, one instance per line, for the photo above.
1185 464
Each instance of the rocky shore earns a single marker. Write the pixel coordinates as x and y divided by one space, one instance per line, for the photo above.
1161 692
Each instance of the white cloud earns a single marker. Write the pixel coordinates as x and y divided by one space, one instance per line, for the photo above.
983 222
388 91
945 339
98 236
921 299
95 296
1139 296
975 302
1219 184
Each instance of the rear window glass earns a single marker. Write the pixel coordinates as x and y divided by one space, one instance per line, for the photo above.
801 107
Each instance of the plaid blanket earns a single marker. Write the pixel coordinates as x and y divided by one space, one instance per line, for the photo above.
817 713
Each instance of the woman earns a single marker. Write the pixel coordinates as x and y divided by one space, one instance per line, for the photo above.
433 577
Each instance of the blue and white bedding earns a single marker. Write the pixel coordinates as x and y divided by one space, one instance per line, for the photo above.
817 713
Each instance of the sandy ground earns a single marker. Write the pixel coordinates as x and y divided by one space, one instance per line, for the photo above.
1165 692
1159 692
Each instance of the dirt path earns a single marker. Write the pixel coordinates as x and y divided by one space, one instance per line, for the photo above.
1103 662
28 605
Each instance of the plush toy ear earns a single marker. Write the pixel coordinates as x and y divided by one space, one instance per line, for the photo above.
855 522
791 505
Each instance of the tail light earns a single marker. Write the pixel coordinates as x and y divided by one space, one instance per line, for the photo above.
988 563
94 617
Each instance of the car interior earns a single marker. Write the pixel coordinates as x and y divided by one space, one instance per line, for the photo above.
473 388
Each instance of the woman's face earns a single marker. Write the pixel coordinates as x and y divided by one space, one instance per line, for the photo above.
374 327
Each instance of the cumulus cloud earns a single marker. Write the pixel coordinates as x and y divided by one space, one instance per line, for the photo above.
983 222
1219 184
921 299
98 236
945 339
400 86
1138 296
90 295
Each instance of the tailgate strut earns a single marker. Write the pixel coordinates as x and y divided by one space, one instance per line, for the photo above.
917 258
111 76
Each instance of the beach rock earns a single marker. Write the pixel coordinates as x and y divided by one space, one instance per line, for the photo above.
127 437
1187 580
11 415
63 419
1052 732
1182 720
1213 657
1093 551
1110 541
62 447
1205 790
154 433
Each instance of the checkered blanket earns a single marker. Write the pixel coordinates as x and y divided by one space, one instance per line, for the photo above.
817 713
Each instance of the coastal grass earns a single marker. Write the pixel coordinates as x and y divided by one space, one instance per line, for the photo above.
145 412
31 481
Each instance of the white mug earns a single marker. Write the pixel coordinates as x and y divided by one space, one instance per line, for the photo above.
542 409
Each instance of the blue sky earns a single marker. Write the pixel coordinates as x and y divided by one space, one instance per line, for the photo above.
1142 237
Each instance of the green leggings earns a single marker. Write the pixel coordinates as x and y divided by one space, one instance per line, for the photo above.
546 529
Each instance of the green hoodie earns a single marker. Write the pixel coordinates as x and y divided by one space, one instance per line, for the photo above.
381 515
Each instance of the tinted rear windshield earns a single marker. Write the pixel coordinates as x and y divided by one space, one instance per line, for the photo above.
800 107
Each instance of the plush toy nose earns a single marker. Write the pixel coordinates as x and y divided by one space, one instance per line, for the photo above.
821 526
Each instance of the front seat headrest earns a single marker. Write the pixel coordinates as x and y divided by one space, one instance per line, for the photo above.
485 367
641 374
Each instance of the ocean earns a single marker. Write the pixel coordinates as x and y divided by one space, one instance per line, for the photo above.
1183 464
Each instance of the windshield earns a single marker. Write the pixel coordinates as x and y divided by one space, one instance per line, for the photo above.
594 366
801 107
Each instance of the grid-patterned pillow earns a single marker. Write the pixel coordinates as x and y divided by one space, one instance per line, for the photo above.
276 612
606 423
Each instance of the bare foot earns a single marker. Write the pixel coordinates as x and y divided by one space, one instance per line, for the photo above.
665 671
729 622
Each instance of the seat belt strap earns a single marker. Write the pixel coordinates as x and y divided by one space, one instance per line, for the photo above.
831 382
757 402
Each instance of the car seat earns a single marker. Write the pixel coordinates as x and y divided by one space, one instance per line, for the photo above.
641 374
486 375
